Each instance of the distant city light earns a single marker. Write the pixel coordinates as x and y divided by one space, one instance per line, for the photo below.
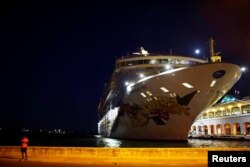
197 51
243 69
25 130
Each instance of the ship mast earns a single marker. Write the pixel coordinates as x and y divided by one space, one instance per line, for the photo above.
215 57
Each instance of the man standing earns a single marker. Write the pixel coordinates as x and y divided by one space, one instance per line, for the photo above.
24 145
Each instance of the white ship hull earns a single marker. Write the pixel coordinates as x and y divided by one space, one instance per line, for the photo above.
168 114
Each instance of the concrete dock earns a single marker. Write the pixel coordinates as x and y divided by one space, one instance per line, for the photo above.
16 163
94 156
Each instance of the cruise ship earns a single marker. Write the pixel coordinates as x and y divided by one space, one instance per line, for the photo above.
158 97
228 119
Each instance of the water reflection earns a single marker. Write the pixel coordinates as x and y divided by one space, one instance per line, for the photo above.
107 142
193 143
218 143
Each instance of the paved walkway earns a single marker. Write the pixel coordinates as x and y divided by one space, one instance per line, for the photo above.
4 162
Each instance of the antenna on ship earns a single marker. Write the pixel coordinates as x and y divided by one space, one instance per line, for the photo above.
170 52
215 57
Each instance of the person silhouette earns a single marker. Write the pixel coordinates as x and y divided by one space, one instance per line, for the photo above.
24 146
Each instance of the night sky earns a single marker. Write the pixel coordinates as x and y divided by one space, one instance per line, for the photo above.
57 55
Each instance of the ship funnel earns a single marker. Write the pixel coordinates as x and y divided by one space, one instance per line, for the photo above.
215 57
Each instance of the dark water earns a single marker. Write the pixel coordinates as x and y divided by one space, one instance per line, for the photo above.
107 142
97 141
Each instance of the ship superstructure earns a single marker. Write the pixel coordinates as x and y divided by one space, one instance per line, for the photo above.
159 96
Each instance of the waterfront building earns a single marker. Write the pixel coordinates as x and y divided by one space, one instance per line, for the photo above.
225 119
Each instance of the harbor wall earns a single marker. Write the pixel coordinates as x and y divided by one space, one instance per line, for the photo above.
93 155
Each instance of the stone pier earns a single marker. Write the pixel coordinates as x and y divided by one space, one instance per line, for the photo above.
95 155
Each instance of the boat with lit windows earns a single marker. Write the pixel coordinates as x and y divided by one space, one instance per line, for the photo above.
159 96
229 119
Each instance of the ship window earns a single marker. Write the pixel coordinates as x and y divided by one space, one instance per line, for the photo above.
164 89
187 85
149 93
184 62
212 83
246 109
130 63
143 95
172 61
153 61
164 61
145 61
140 61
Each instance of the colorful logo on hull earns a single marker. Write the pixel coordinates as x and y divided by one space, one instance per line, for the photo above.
158 109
